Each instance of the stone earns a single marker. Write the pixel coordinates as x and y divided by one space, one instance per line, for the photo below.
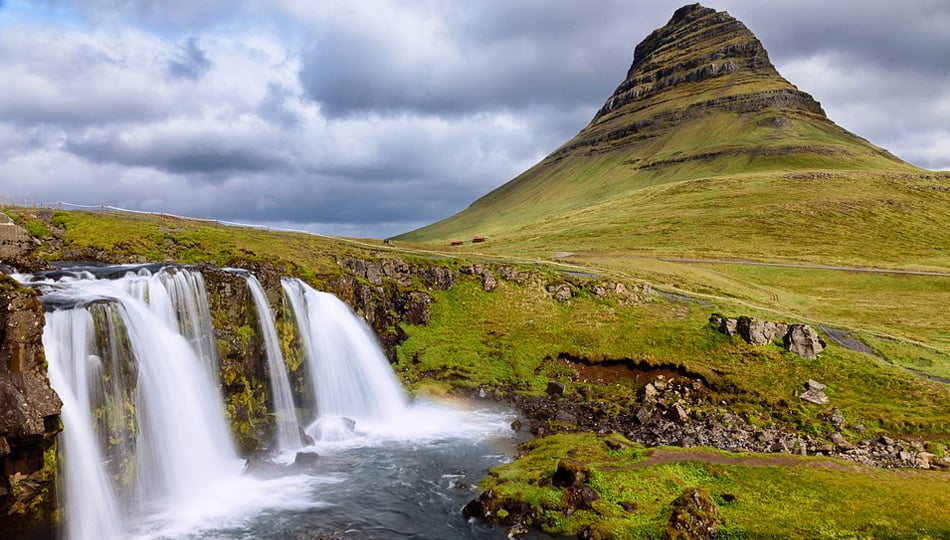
488 281
418 312
729 327
578 498
516 426
812 384
755 331
555 388
837 419
563 293
650 393
804 341
814 396
677 413
15 242
438 277
695 516
481 507
614 444
29 410
923 460
569 473
629 506
643 414
305 458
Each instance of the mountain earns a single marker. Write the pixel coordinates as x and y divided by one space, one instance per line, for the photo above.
705 139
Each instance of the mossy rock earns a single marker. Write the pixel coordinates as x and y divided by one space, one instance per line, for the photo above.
695 516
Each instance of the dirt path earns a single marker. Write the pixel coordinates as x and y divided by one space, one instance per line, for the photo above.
860 269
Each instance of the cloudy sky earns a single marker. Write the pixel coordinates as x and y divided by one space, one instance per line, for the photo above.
371 118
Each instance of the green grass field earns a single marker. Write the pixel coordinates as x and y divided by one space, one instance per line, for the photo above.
772 496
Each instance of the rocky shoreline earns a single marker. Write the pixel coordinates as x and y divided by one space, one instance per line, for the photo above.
674 411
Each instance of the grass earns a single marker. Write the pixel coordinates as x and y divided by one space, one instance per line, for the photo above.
774 497
512 337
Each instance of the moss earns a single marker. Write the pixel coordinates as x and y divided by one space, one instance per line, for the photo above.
36 228
768 497
246 333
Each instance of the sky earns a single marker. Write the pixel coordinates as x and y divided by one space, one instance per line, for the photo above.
373 118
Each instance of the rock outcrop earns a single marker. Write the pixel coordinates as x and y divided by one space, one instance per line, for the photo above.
15 242
29 415
702 63
800 339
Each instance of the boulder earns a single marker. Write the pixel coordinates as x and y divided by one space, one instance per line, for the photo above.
757 332
729 327
563 293
482 507
555 388
814 396
578 498
570 473
804 341
695 516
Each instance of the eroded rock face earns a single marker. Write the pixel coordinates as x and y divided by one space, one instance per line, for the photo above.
29 415
698 48
15 242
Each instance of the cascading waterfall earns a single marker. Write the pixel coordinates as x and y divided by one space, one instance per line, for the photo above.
69 339
288 429
348 372
182 443
145 448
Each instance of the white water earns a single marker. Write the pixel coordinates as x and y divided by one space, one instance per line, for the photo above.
288 429
349 374
183 452
93 509
188 480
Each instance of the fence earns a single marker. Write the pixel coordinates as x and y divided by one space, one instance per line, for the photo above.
105 207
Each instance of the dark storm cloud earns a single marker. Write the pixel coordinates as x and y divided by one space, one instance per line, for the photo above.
190 62
486 56
377 117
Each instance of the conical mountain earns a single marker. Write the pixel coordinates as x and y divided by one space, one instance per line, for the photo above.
702 132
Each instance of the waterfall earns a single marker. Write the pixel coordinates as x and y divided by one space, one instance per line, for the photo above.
159 386
349 374
288 430
145 447
93 511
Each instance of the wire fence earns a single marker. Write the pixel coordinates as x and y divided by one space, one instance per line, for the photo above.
63 205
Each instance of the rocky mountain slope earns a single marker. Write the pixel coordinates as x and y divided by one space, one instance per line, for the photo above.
704 139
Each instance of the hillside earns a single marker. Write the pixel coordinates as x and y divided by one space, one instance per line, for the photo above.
705 150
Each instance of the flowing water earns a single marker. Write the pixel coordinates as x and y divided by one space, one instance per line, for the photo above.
146 450
288 428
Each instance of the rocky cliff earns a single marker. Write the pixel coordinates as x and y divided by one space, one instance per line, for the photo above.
29 415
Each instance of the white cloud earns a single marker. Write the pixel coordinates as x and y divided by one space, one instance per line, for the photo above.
376 117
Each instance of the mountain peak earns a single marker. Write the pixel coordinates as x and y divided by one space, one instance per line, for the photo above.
700 100
700 45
